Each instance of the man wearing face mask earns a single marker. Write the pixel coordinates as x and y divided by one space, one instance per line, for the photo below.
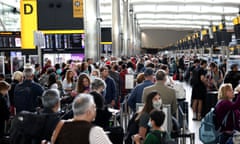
157 135
168 95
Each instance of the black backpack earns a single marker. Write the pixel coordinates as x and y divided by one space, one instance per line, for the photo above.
28 128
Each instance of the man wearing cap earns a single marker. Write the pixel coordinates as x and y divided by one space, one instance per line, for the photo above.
136 95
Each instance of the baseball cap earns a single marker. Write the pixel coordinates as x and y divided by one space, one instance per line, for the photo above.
148 72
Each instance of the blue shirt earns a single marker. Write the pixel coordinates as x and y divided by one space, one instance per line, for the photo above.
110 90
136 95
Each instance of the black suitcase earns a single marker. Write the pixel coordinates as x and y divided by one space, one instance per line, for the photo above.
116 134
5 140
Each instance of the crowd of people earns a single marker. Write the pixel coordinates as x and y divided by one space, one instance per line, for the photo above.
93 87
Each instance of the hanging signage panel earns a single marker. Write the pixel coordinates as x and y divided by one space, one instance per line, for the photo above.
60 14
78 8
28 22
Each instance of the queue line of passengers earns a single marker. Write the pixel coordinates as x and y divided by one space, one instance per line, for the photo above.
29 96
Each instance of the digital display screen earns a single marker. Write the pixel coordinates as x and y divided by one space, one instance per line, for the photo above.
10 40
64 41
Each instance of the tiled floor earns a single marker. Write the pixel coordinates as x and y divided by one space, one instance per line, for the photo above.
193 125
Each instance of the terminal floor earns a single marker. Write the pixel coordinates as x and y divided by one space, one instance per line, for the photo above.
193 125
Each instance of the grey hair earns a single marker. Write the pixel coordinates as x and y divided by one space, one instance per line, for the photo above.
160 75
97 83
28 72
82 103
50 98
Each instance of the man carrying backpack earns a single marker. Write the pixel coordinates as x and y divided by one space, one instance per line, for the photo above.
32 128
26 94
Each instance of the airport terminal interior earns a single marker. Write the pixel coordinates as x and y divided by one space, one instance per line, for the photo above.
119 71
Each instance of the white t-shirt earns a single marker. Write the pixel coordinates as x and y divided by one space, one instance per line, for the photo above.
98 136
66 85
54 86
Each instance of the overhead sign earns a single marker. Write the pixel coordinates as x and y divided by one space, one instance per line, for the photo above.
28 23
77 8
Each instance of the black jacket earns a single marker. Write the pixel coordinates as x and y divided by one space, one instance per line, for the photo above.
4 114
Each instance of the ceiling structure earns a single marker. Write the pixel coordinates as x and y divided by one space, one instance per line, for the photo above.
178 14
150 14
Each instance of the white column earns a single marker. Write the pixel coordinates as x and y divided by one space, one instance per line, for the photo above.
116 25
130 31
91 11
125 27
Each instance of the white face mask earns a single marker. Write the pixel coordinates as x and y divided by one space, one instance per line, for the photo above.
93 78
150 124
157 104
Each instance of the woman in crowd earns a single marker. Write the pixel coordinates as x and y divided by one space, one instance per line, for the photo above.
95 74
52 81
140 78
215 77
169 81
226 105
153 102
58 71
84 68
83 84
68 82
4 112
103 115
17 78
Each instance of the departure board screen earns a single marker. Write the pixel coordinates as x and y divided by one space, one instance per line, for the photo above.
10 40
64 41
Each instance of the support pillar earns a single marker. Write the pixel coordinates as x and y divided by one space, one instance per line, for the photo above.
116 25
130 31
91 11
125 27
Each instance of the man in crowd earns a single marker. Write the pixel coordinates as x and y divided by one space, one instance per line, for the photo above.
167 94
80 129
27 93
136 95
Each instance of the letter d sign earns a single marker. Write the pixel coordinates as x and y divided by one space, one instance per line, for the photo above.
28 9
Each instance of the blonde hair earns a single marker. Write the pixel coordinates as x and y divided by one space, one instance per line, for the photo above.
17 75
223 91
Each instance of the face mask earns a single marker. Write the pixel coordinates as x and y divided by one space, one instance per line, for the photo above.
157 104
93 78
150 124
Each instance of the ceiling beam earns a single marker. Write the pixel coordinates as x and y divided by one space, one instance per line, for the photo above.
181 3
186 13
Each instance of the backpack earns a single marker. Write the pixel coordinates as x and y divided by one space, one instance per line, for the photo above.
208 133
27 128
132 129
162 137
